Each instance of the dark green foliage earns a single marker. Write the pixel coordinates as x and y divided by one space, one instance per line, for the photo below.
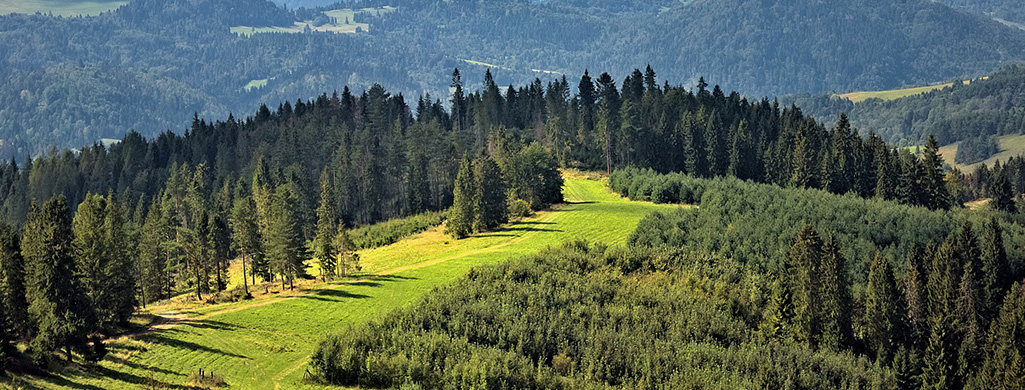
533 176
391 231
1003 195
285 249
995 270
581 316
462 214
245 234
975 149
834 298
1006 353
883 315
801 272
58 306
489 196
327 226
105 260
12 283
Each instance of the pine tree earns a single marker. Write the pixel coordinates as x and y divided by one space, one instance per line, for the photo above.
323 243
219 244
940 356
461 216
835 297
907 368
58 306
801 175
12 282
995 268
882 310
803 259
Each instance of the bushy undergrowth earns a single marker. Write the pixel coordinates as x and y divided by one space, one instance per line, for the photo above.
389 232
583 316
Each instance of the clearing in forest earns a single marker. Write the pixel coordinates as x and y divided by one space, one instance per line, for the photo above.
265 343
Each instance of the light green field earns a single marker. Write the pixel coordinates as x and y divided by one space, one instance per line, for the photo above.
255 84
58 7
265 343
858 97
342 27
1010 146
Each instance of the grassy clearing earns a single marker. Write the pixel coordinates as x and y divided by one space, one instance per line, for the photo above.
264 343
858 97
1010 146
58 7
345 24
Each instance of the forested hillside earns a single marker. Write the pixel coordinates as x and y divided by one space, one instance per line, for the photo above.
758 287
1009 10
150 64
972 112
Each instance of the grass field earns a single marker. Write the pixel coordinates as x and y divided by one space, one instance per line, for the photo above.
345 24
265 343
58 7
1010 146
858 97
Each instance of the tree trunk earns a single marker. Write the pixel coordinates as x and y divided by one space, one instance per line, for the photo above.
245 283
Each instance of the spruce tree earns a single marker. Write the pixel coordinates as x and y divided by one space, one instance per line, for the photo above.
58 306
1005 359
245 234
219 244
995 268
323 242
1003 195
803 259
931 178
968 325
286 251
490 196
882 310
12 282
835 297
779 316
461 215
915 297
121 277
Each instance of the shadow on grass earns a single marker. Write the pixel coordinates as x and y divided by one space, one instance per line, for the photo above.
140 366
334 296
160 338
210 324
581 202
524 229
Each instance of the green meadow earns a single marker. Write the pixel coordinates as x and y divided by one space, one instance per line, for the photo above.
265 343
58 7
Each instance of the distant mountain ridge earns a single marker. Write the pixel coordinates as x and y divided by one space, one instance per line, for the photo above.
71 81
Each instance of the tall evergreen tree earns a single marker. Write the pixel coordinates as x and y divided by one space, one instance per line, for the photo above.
286 251
489 194
968 325
461 216
58 306
121 277
245 233
12 282
1005 359
914 293
323 243
931 179
803 259
835 297
882 310
1003 195
995 268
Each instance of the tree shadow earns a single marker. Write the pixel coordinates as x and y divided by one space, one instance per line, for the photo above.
159 338
135 379
581 202
334 296
210 324
525 229
140 366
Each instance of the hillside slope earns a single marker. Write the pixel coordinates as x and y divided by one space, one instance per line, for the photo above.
264 344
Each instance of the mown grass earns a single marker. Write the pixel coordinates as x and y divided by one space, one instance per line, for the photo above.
58 7
265 343
345 24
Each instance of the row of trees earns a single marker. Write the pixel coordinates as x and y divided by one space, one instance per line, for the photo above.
66 280
939 326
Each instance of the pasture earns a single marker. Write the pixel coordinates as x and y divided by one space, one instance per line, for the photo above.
264 343
1010 146
858 97
58 7
344 17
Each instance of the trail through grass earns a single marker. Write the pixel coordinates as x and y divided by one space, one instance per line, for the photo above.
265 343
